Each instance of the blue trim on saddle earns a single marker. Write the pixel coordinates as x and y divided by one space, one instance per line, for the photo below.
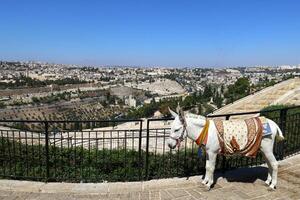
266 129
200 152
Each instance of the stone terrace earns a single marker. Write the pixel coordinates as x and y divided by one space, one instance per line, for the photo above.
244 183
286 92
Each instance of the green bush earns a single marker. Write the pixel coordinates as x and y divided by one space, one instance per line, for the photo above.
276 114
2 105
92 165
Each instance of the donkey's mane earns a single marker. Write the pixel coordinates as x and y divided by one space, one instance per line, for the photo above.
194 116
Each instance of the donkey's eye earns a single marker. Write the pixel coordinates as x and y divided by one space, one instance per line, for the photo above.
177 130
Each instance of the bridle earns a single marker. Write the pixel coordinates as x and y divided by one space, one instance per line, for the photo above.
181 137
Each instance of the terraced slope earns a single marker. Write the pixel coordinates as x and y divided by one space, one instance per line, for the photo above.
286 92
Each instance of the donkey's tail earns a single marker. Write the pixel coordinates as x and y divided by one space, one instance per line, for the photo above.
279 132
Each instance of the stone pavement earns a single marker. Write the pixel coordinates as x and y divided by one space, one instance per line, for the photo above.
245 183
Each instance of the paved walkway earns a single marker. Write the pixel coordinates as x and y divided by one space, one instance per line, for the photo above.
246 183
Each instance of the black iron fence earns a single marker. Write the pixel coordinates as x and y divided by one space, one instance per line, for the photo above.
127 150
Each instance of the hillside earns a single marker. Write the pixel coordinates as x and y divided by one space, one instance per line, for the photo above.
286 92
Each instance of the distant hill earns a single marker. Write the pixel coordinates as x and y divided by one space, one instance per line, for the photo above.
284 93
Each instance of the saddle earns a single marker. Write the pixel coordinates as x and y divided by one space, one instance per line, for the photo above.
240 136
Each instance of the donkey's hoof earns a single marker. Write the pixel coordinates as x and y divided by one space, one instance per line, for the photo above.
272 188
204 182
267 182
208 188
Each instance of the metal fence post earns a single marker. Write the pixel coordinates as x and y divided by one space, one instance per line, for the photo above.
140 150
147 151
47 149
282 126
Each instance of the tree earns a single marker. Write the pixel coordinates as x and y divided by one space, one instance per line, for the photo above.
189 101
238 90
2 105
242 86
218 100
208 92
200 110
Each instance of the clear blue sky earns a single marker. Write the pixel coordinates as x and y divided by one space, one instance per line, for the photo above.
152 32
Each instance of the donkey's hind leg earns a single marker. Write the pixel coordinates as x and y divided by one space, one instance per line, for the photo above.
274 165
269 179
267 149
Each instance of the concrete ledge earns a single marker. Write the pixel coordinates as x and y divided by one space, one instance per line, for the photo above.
244 183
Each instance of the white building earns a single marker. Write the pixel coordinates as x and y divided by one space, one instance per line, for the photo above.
130 101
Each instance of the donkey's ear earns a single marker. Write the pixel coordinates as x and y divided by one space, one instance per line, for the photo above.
174 114
181 116
178 108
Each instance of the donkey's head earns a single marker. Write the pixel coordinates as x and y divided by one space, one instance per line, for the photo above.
178 128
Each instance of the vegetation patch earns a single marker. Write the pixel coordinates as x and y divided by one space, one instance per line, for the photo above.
76 164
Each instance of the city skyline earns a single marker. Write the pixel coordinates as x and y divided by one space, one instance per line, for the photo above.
76 65
168 34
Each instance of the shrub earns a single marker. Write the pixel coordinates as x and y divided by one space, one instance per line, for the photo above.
92 165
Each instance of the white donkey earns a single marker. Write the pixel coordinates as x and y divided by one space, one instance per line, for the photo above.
191 125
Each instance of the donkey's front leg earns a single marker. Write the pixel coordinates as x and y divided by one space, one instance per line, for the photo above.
210 168
205 180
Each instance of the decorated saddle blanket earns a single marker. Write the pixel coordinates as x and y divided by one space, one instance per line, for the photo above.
240 136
